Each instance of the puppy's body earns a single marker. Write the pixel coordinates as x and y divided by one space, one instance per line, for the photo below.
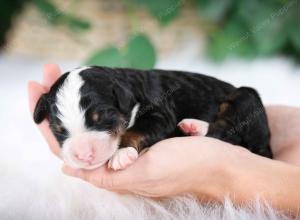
135 109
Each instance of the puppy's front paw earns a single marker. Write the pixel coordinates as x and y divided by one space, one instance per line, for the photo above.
122 158
194 127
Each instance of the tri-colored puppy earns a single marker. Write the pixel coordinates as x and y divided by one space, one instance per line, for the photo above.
101 114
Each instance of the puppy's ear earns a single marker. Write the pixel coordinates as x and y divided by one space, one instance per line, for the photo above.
123 97
41 109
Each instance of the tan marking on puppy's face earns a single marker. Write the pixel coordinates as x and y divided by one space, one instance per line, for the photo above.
224 108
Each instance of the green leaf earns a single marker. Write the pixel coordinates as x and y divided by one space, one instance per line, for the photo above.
255 12
140 52
110 57
234 40
265 23
270 38
293 27
76 23
213 10
294 35
49 10
55 16
163 10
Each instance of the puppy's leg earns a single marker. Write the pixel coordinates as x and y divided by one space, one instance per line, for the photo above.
150 128
123 158
130 145
194 127
242 120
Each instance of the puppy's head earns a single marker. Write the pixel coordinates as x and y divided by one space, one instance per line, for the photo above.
88 111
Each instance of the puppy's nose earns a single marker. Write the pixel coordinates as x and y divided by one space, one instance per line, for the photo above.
85 155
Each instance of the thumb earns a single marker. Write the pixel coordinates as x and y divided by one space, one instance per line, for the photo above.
102 177
73 172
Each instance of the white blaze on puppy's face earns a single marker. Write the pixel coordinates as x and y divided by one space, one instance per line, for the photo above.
83 148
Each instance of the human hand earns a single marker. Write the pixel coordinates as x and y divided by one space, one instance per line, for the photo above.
207 168
170 167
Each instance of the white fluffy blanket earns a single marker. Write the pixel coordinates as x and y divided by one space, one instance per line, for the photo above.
33 187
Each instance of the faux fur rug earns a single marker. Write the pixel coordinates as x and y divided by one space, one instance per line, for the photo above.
57 197
33 187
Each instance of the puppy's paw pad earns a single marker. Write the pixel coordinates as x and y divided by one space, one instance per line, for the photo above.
122 158
194 127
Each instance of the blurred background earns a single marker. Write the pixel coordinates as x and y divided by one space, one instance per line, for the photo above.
136 33
253 43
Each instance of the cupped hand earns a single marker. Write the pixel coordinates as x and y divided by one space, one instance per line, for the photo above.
169 168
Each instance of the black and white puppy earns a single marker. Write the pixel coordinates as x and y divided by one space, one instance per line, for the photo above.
101 114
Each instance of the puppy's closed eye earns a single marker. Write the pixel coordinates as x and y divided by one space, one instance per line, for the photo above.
95 116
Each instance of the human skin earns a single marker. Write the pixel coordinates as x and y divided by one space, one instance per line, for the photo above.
206 167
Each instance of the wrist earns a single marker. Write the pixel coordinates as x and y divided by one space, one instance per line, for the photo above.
251 177
221 180
243 177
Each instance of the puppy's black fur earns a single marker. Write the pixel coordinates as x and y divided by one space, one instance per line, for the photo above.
236 115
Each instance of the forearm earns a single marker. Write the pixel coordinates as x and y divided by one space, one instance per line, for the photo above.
250 176
276 182
284 122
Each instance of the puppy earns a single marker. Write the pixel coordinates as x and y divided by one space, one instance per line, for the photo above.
101 114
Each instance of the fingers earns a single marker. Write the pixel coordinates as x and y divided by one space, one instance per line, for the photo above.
100 177
35 90
48 135
51 74
120 181
74 172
